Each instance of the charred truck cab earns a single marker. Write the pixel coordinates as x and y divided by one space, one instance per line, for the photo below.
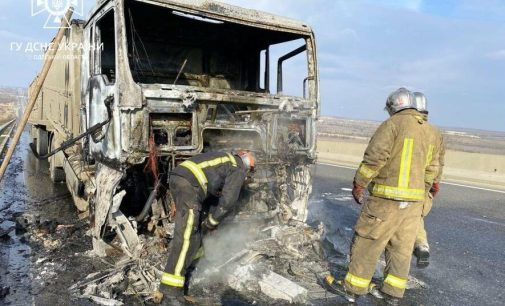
169 79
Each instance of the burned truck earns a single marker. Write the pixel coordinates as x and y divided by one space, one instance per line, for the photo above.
143 85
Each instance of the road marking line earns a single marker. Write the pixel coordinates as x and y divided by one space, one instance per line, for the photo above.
473 187
485 221
444 182
338 166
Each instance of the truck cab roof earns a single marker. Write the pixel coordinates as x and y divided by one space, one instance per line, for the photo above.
227 13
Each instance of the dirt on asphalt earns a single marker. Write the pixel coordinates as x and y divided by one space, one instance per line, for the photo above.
45 247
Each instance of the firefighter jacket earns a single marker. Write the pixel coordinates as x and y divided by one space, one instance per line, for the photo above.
441 157
215 173
401 161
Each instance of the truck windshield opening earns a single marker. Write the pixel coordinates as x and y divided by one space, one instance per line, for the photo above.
171 47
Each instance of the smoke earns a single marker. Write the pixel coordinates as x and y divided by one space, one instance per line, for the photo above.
224 246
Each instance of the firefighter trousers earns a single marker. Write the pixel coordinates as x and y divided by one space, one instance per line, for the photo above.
383 225
187 238
422 236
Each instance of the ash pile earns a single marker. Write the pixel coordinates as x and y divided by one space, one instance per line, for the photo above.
271 264
244 260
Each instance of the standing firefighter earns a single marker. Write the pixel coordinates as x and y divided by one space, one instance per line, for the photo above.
191 183
399 167
421 246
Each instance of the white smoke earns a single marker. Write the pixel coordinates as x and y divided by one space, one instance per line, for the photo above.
223 248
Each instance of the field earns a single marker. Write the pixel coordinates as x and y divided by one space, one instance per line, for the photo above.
457 139
473 156
9 99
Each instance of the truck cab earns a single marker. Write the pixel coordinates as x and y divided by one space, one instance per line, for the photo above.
174 78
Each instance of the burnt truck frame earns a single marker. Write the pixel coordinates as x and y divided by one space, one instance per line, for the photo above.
157 81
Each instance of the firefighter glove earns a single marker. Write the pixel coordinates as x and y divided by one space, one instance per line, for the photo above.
358 193
435 188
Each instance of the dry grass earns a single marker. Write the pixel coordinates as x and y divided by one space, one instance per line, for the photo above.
457 139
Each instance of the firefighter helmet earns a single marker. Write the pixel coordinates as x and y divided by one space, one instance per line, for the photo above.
398 100
421 102
248 159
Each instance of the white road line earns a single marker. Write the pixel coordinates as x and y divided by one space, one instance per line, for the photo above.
485 221
473 187
338 166
444 182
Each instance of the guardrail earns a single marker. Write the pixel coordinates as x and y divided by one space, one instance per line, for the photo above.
4 137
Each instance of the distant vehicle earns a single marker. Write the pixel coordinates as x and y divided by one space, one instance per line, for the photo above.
151 83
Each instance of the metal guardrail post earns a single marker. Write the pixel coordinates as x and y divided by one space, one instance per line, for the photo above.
3 127
6 136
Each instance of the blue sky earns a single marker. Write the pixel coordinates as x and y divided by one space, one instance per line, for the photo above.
452 50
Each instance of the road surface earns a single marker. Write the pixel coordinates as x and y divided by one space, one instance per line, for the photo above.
466 229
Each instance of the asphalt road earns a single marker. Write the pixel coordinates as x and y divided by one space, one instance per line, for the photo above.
30 274
466 229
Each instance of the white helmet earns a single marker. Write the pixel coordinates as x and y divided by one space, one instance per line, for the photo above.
398 100
421 102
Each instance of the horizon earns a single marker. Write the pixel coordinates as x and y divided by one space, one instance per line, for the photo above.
378 121
438 126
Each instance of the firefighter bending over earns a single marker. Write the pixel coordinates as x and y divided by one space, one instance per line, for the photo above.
191 183
399 167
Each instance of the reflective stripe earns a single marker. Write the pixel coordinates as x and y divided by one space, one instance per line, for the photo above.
357 281
396 281
422 237
215 162
232 159
198 173
172 280
197 169
397 192
406 161
185 243
212 220
366 172
402 192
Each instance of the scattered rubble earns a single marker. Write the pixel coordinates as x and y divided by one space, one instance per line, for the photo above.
137 277
279 287
274 264
4 291
4 233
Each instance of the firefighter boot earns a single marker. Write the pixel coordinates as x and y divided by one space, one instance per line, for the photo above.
337 287
172 296
390 300
422 252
